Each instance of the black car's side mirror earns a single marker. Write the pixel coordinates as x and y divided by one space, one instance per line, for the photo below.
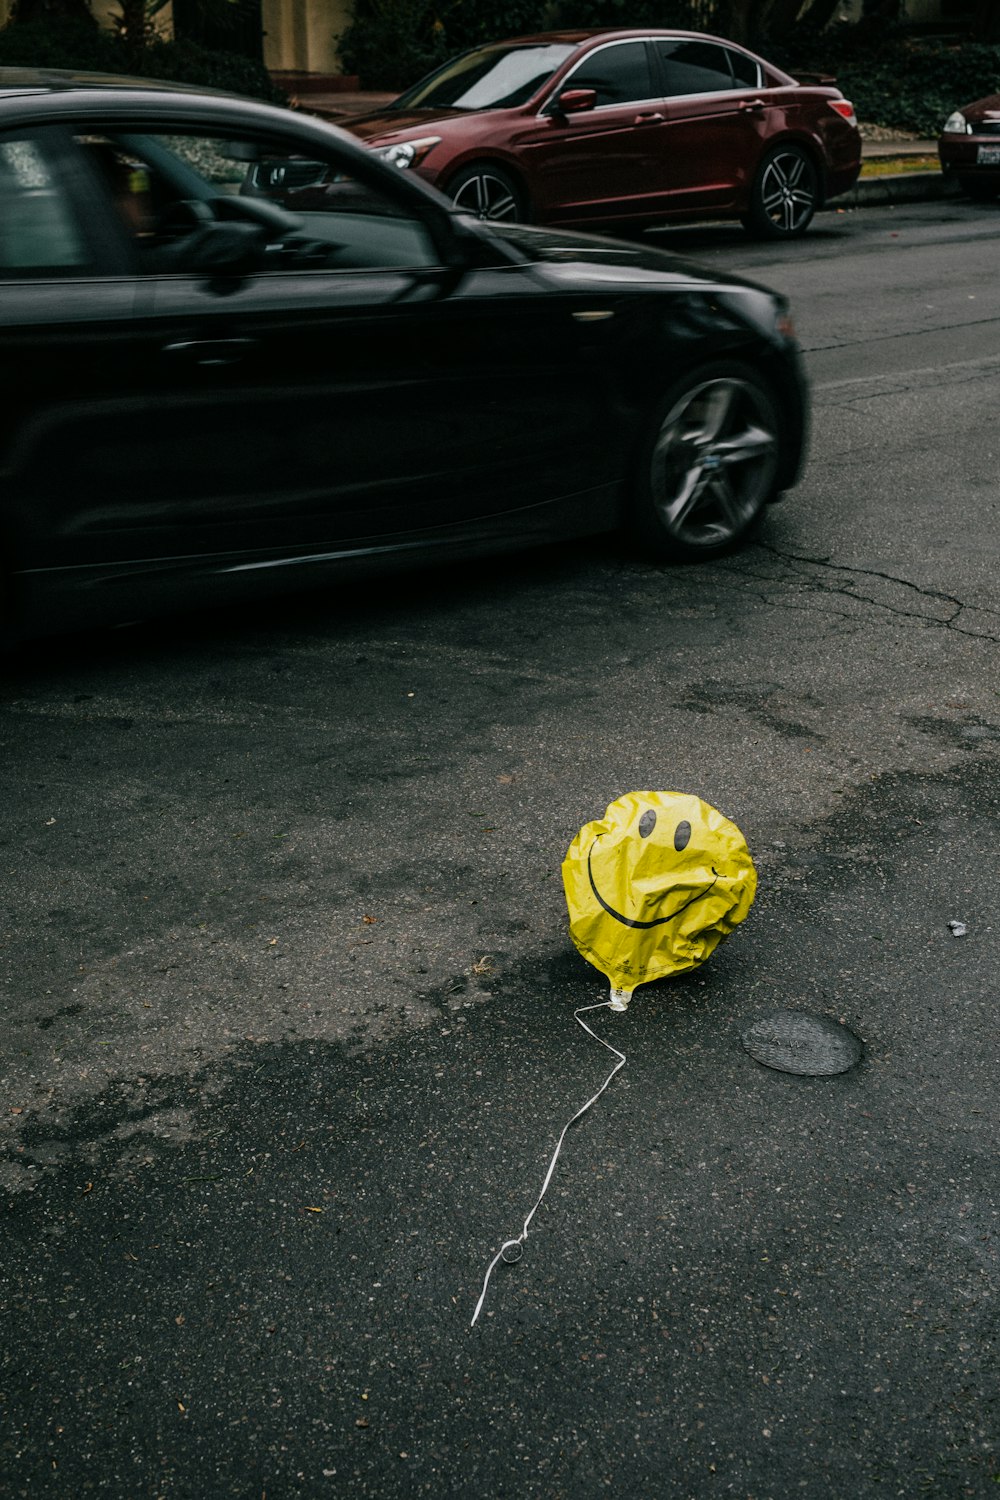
575 101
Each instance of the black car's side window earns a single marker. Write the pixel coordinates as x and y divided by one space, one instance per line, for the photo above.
172 192
695 68
39 231
618 74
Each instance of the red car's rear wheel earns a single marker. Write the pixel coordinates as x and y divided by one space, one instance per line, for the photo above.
784 196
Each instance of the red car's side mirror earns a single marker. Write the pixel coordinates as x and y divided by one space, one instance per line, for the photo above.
574 101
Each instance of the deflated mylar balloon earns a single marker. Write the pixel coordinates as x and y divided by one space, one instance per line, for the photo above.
654 886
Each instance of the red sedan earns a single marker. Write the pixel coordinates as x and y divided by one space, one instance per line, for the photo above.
627 128
969 148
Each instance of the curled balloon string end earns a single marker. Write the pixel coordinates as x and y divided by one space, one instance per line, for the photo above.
511 1250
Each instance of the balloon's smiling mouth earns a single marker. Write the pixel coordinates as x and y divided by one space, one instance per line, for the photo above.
632 921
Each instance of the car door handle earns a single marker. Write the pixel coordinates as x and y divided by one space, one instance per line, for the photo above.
213 352
652 117
752 107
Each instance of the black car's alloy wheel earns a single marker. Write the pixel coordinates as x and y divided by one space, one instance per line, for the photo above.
784 196
487 192
711 463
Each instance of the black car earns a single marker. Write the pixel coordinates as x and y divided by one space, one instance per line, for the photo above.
237 350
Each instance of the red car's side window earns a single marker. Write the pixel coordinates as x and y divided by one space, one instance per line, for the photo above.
618 74
695 68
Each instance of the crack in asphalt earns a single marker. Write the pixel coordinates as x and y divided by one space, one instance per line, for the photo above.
949 623
866 338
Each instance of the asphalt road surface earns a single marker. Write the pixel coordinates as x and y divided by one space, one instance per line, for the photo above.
289 993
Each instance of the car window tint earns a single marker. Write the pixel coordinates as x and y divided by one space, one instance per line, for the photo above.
746 70
694 67
39 232
169 190
617 74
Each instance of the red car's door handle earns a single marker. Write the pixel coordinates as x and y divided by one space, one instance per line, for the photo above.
652 118
752 107
210 351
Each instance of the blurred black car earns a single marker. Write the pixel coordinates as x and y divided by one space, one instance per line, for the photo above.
212 385
969 148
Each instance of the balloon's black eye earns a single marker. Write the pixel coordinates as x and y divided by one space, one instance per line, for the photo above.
647 823
682 835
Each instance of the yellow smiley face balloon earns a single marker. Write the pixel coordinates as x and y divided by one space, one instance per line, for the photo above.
654 886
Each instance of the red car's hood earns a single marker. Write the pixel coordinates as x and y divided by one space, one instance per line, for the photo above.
983 109
388 124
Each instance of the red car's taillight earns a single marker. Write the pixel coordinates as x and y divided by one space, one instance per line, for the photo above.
844 107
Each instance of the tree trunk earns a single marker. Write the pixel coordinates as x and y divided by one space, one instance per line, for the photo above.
986 21
780 16
819 13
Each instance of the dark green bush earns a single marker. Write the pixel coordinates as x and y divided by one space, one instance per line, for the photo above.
909 82
85 49
186 62
47 44
686 15
393 43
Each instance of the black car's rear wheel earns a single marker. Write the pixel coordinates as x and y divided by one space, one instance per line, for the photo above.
488 192
784 196
709 463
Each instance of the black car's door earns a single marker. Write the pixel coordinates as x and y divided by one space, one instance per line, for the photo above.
67 372
353 391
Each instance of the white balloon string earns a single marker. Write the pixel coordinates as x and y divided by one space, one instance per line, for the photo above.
514 1246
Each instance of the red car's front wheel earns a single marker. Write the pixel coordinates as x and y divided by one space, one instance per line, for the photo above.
487 192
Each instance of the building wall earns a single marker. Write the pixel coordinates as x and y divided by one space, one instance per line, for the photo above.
300 35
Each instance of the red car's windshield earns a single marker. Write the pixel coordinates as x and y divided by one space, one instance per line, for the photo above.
489 78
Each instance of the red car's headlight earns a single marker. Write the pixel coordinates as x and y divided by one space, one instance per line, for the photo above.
407 153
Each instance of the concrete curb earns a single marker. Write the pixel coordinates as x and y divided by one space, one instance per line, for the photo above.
897 187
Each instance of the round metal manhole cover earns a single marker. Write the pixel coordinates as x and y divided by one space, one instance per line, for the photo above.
793 1041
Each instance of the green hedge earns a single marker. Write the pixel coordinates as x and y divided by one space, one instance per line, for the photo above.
86 49
911 83
393 43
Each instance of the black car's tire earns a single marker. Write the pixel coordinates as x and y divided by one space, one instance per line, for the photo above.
488 192
784 196
708 463
981 192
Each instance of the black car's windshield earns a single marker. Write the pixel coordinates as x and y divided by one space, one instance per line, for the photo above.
489 78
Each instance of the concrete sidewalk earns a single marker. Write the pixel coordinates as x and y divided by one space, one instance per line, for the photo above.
914 186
